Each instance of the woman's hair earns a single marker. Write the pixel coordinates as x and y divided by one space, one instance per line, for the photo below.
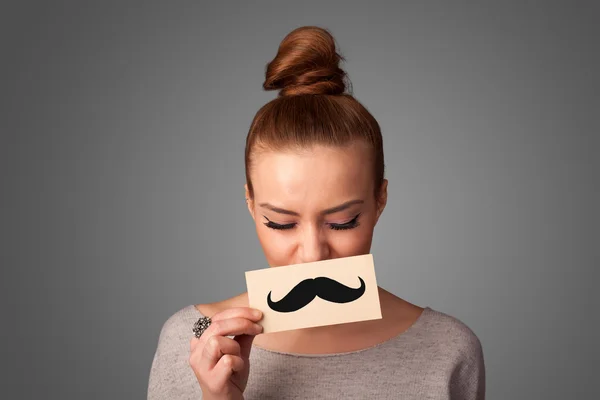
313 107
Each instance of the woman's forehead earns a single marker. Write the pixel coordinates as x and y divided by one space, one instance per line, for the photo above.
311 174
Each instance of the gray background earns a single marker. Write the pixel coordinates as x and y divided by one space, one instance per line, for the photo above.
123 130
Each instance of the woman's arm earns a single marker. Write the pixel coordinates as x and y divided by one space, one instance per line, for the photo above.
468 377
171 376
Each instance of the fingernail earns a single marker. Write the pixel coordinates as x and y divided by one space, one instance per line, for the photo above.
256 313
258 327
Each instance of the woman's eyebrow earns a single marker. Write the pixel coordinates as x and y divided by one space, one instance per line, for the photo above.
342 206
332 210
278 210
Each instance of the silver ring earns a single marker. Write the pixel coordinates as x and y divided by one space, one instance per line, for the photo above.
200 326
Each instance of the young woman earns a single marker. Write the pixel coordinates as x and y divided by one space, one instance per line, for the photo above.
315 189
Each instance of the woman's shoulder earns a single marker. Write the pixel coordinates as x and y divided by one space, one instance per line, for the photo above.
448 323
429 325
450 332
452 342
179 322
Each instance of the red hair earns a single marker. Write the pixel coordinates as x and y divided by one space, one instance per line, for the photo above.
313 107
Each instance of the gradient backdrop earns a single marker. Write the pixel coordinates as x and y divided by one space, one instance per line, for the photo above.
122 139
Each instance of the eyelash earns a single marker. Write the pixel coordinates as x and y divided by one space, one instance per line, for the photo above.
353 223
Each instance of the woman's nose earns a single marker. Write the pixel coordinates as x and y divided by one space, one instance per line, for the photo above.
313 245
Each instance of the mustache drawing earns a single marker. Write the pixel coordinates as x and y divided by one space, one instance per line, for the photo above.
326 288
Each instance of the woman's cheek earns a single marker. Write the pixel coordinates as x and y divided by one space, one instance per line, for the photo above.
276 246
350 244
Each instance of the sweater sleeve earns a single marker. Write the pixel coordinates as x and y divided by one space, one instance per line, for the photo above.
468 377
171 376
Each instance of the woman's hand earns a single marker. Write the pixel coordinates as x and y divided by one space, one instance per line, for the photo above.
221 364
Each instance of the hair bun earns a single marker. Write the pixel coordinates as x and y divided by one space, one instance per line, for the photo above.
306 63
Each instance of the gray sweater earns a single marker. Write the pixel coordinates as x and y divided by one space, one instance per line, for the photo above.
438 357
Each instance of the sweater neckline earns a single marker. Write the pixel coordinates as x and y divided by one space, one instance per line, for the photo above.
402 335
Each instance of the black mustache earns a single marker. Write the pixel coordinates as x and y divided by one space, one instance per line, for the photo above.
326 288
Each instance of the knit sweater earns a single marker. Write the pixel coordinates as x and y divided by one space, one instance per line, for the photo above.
438 357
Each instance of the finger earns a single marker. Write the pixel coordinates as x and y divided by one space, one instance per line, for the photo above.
194 343
232 327
230 363
216 347
225 368
238 312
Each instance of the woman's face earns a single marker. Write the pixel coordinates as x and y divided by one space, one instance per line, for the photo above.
314 204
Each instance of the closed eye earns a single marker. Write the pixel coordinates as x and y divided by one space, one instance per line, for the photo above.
353 223
274 225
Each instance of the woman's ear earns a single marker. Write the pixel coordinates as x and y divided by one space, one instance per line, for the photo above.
249 201
382 200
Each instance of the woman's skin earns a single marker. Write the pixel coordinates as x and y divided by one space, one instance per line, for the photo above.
294 189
